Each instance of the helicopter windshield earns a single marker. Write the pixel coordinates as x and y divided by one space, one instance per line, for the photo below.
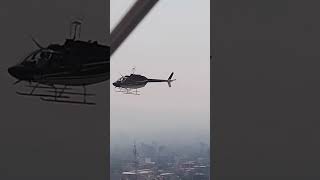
38 57
123 78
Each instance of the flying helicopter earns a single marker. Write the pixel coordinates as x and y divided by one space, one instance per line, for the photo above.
127 83
76 62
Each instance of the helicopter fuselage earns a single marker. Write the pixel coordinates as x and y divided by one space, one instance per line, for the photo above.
75 63
135 81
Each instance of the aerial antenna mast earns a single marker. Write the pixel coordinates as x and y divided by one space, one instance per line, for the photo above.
136 163
75 29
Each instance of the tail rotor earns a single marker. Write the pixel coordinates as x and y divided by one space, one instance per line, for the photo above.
170 79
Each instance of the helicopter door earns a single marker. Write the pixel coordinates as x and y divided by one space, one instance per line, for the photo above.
56 60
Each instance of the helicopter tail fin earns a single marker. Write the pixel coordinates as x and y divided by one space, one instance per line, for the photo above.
170 79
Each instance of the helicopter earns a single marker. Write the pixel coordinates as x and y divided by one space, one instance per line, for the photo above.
76 62
135 81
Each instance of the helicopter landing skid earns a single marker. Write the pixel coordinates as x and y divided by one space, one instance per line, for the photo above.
49 87
58 94
128 91
75 93
66 101
40 95
132 93
60 99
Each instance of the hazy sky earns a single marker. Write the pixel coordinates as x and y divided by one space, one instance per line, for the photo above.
174 37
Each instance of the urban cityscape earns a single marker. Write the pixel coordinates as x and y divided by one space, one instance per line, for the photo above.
153 161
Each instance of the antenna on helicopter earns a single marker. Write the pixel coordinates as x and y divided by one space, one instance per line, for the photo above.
75 29
133 70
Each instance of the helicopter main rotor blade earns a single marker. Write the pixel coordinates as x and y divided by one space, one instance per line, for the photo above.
129 22
37 43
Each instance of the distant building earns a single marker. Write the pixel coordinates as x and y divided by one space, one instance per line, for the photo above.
200 176
168 176
144 174
128 176
188 164
202 169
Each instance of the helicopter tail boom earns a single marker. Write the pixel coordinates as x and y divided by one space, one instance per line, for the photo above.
169 80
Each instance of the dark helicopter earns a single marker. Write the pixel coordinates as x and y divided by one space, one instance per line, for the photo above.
76 62
136 81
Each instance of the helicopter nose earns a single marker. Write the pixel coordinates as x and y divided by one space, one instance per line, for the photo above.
13 71
116 84
19 73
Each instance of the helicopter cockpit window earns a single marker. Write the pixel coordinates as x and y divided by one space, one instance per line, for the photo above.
122 79
38 57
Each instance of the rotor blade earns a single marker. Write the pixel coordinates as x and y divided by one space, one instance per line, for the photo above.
129 22
37 43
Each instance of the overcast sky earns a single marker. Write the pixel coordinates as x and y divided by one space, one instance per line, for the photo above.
174 37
